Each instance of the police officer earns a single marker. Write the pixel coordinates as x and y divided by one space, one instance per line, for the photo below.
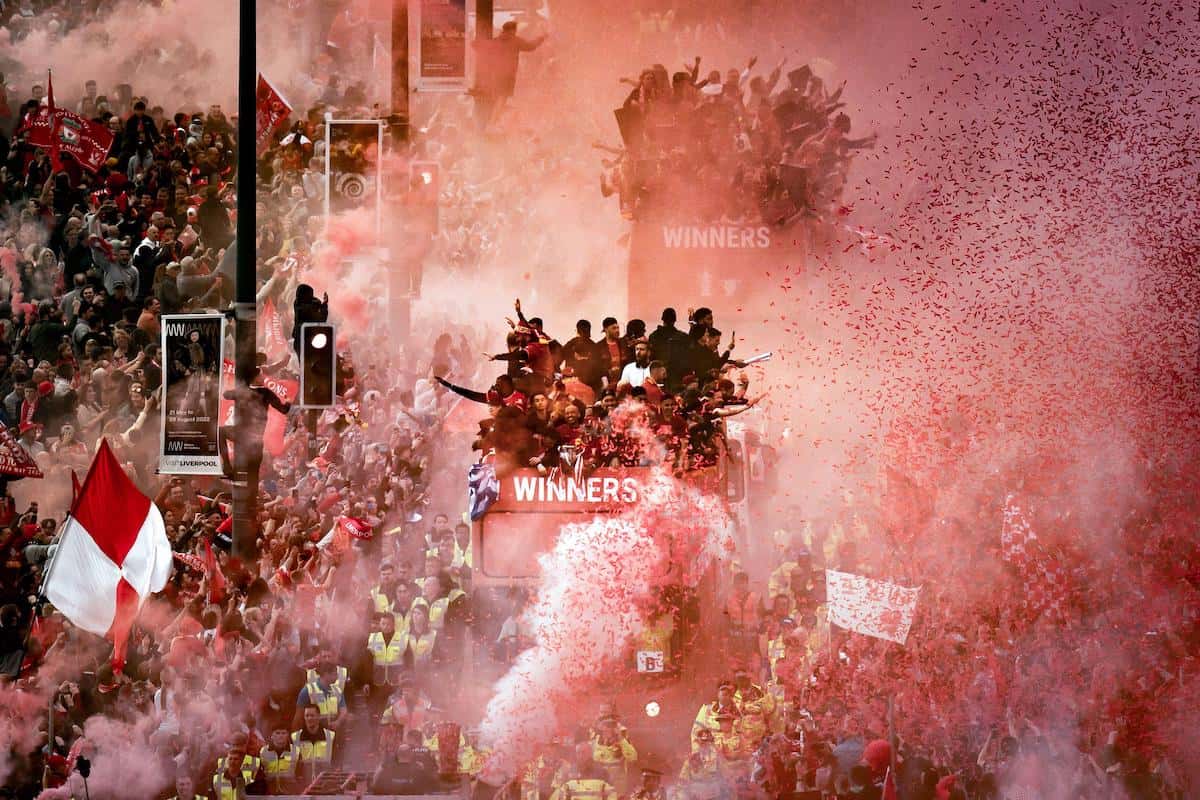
315 743
612 751
237 772
706 717
279 758
325 689
703 775
386 647
651 788
758 707
382 592
588 782
185 788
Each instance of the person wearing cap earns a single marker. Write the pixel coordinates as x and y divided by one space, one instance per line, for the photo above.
585 780
651 788
703 775
612 751
780 581
167 291
279 757
237 773
324 690
706 717
30 433
315 744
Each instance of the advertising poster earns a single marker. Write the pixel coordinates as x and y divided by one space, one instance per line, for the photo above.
193 351
439 45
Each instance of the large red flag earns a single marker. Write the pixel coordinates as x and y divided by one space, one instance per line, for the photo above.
62 131
112 555
271 110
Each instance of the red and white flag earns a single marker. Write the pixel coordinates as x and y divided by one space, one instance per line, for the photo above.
113 554
271 110
1044 577
875 608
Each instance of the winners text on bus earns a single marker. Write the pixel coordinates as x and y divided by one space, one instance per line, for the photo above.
539 489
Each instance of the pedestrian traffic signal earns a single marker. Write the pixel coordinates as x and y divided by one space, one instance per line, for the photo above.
318 364
426 187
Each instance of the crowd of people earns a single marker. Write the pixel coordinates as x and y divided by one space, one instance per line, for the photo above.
348 643
225 670
556 403
730 146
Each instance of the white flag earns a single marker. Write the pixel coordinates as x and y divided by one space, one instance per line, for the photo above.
875 608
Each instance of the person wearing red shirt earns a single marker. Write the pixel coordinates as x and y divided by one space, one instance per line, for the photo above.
569 430
654 382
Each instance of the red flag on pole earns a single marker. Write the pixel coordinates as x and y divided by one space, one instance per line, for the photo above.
271 110
55 161
62 131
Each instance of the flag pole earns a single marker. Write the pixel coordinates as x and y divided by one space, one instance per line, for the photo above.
39 599
892 738
76 493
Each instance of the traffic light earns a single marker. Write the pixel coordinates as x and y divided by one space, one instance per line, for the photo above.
424 180
318 362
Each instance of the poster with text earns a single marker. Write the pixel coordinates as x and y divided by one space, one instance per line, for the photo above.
193 351
439 44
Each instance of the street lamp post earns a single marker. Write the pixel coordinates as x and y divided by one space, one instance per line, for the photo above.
245 487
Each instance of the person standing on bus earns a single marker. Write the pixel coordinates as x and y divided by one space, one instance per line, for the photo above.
670 345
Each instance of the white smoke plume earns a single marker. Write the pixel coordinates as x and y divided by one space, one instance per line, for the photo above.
596 585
